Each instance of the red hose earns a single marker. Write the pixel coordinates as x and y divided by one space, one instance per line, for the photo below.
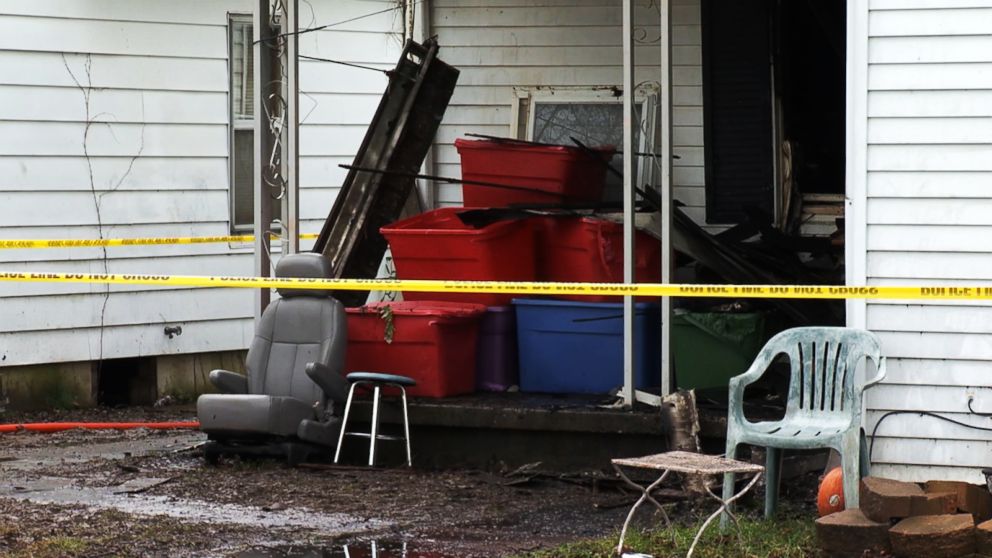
60 426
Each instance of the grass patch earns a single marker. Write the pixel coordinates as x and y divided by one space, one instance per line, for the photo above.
789 538
56 547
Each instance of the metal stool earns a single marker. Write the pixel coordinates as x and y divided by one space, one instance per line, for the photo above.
377 382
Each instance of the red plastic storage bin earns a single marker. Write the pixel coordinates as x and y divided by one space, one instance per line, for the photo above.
587 250
437 245
432 342
549 174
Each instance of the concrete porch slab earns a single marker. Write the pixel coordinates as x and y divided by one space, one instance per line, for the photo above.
496 430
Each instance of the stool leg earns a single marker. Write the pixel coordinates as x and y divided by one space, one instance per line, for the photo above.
406 428
374 435
344 423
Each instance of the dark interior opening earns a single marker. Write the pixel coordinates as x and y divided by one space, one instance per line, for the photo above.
737 108
126 381
773 98
812 74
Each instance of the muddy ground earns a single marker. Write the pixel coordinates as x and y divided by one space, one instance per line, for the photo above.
149 493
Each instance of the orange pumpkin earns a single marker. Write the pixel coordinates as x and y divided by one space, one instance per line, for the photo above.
830 497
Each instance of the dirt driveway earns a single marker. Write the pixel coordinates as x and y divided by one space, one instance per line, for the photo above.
149 493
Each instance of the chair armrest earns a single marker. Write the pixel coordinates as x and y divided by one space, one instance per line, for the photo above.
229 382
330 381
751 375
879 374
741 381
754 372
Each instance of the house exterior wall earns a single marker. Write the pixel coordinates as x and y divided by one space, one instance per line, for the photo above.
920 142
927 167
564 44
150 148
920 146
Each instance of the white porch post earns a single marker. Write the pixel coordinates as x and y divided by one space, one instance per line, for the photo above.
628 200
667 255
291 154
269 83
263 147
423 30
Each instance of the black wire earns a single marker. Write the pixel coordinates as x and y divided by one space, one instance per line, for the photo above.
871 448
974 412
329 25
318 59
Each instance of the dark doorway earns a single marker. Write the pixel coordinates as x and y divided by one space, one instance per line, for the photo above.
737 108
126 381
773 104
811 73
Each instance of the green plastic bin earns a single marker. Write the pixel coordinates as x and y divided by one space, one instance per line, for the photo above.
712 347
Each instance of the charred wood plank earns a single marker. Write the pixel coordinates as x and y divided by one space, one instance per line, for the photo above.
398 139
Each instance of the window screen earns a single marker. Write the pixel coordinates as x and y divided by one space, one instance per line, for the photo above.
242 114
242 69
594 124
243 179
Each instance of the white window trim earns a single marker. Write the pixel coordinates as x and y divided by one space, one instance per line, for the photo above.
234 125
646 96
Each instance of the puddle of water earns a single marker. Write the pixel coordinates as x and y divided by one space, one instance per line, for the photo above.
51 490
32 458
21 482
373 549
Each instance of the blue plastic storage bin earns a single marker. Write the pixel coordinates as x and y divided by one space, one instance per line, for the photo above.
577 347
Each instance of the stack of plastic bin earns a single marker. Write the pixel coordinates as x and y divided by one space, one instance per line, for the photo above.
530 174
577 347
589 250
438 245
432 342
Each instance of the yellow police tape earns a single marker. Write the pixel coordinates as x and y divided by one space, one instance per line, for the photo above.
105 242
517 287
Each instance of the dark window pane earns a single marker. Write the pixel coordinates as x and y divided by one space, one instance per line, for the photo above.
243 180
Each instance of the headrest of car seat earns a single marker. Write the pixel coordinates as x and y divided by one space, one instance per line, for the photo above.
308 266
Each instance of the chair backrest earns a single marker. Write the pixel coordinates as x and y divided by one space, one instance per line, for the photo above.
824 362
303 326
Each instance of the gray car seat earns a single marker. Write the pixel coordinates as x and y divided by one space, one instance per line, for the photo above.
285 403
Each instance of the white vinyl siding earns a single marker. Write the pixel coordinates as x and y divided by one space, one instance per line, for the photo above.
158 147
567 44
929 163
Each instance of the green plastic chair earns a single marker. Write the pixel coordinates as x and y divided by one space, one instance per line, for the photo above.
824 406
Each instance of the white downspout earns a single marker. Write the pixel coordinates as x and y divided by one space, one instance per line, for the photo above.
628 200
667 255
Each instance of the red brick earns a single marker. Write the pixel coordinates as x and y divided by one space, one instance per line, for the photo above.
983 538
885 499
934 503
972 498
934 536
849 533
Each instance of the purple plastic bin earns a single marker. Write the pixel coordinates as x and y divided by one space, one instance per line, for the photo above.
497 366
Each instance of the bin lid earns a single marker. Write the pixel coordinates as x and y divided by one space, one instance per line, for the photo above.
443 221
441 309
606 151
737 329
580 305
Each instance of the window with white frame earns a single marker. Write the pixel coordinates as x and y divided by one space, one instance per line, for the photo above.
593 117
242 129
